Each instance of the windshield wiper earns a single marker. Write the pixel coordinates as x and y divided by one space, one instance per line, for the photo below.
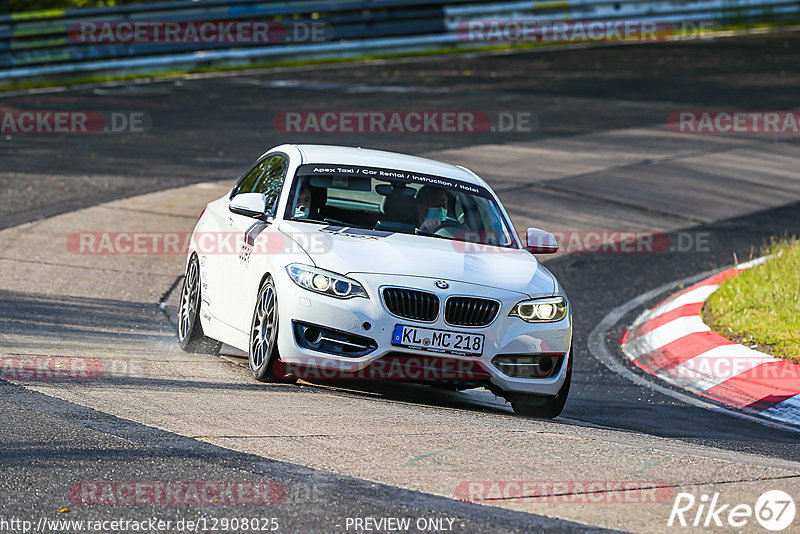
348 225
430 234
333 222
301 219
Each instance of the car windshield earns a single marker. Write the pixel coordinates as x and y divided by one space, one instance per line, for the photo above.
397 201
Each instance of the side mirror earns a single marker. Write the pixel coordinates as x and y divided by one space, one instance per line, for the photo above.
541 242
249 204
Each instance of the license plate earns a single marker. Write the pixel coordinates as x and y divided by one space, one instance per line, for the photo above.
432 340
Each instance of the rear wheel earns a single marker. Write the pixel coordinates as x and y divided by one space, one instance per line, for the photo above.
190 332
544 406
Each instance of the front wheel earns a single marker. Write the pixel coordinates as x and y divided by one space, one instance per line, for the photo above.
190 332
544 407
263 348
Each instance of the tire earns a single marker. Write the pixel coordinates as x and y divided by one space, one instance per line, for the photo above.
541 406
190 332
262 353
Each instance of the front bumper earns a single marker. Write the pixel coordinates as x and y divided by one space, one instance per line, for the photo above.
368 318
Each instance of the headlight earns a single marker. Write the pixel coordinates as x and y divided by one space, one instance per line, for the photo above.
545 310
327 283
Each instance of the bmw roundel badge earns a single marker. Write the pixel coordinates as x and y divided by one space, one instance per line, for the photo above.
441 284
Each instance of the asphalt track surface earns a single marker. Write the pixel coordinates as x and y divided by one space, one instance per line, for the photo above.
211 128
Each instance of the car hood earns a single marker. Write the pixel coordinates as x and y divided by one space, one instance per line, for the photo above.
350 250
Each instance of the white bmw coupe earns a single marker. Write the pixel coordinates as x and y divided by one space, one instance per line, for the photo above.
332 263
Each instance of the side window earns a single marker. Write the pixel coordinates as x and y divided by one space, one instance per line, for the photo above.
271 180
247 183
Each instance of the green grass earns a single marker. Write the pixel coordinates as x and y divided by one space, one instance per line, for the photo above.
67 80
760 307
34 6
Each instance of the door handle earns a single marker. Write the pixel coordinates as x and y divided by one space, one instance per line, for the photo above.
229 221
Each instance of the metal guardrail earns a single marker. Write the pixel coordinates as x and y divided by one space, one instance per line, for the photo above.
47 40
43 44
719 12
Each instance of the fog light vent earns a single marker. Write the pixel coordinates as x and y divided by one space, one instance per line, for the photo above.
331 341
528 365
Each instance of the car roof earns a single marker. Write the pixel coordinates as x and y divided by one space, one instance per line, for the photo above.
345 155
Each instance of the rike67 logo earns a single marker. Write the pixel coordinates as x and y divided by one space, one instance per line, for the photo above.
774 510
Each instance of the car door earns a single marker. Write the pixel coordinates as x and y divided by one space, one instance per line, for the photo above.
239 268
216 244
